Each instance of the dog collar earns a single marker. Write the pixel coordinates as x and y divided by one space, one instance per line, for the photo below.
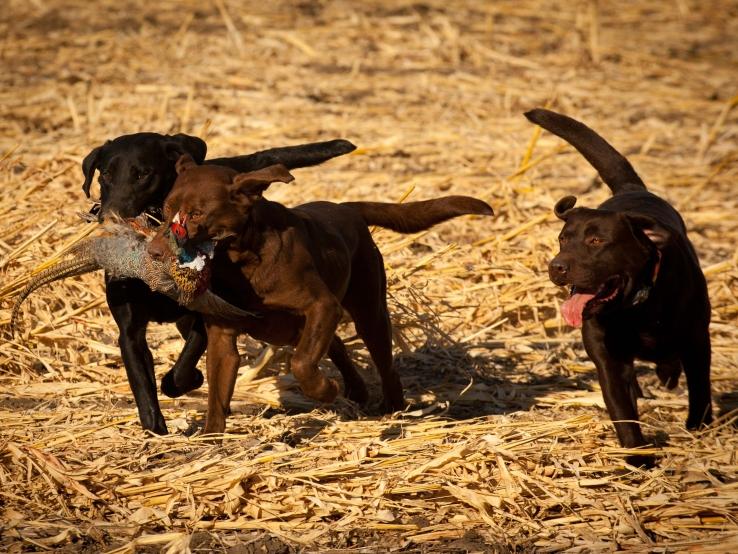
643 293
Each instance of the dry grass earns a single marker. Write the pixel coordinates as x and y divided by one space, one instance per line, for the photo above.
506 445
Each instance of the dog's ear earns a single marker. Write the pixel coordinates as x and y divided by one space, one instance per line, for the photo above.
177 145
654 231
247 188
89 165
184 162
564 206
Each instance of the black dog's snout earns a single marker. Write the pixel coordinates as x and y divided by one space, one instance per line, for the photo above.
558 270
558 267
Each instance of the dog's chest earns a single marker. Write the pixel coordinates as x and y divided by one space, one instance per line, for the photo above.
640 334
655 342
230 282
648 343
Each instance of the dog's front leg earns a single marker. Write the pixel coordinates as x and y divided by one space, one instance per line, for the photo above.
321 319
139 364
616 376
132 319
184 375
222 367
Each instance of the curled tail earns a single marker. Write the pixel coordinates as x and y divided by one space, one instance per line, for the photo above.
612 166
62 270
412 217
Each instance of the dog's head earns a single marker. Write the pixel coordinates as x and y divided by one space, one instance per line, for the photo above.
605 257
136 172
212 202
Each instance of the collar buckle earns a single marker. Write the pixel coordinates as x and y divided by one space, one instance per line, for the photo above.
643 293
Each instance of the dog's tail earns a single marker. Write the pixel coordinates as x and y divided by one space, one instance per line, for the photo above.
412 217
612 166
302 155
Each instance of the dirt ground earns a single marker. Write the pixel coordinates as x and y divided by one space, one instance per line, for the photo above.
505 445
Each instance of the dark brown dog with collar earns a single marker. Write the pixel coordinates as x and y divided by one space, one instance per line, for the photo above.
297 269
637 288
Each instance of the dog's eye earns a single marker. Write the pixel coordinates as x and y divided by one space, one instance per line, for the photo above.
105 175
595 241
195 214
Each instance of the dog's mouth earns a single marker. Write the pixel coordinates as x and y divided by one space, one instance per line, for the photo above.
150 218
584 303
154 215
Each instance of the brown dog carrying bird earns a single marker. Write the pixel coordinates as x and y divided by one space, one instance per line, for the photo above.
282 275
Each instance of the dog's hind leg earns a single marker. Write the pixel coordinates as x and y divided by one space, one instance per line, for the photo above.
375 330
696 361
353 385
222 367
366 301
184 375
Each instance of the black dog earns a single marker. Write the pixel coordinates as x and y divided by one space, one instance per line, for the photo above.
136 174
636 285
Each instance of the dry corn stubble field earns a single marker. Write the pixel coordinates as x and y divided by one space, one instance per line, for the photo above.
505 445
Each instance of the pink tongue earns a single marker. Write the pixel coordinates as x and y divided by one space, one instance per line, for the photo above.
572 309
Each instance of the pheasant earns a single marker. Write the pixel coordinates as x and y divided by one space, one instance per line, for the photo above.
121 252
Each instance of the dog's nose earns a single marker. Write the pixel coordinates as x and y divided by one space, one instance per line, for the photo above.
558 267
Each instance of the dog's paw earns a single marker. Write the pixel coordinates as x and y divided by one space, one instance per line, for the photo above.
395 400
159 430
326 390
154 424
392 405
331 391
176 387
213 430
356 392
697 423
644 461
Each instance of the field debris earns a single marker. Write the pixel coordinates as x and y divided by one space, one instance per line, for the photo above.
505 445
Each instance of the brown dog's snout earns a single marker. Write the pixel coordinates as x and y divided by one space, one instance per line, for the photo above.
158 247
